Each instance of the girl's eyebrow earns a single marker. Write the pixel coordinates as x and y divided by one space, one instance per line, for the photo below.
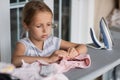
42 23
50 22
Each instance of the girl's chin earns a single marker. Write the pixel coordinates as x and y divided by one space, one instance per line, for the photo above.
43 38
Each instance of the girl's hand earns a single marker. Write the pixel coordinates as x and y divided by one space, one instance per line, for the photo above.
72 53
53 58
62 53
57 55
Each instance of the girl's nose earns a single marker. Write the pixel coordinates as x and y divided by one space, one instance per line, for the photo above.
44 29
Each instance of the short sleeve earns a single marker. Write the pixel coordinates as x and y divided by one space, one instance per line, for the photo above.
57 42
24 42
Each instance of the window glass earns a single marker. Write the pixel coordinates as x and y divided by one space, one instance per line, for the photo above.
65 27
17 31
13 18
22 31
13 1
56 17
22 0
65 19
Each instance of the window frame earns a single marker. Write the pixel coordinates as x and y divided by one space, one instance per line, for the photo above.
5 46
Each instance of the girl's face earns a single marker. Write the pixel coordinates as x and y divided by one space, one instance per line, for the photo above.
40 28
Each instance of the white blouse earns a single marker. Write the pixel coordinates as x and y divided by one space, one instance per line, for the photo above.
50 45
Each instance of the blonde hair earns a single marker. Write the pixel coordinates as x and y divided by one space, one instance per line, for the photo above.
31 8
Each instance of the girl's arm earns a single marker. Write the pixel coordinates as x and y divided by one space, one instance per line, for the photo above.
18 55
80 48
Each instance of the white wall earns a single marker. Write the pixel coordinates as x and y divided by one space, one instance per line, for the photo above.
82 17
102 9
5 47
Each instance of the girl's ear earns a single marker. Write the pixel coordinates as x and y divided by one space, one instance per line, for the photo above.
25 26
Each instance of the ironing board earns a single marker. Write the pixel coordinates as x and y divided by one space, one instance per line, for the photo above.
102 62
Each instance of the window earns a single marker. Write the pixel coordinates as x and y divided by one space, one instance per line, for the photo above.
16 7
62 18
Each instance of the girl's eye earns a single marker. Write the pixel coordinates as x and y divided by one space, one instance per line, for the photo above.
39 26
49 24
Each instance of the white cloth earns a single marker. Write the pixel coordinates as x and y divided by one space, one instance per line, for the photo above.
35 71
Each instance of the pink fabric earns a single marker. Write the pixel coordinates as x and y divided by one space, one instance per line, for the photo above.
41 70
82 61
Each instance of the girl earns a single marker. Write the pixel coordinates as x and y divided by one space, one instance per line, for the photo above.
40 44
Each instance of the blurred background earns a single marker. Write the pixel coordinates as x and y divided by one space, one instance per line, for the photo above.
72 20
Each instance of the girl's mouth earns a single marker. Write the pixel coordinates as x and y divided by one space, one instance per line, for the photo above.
44 36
